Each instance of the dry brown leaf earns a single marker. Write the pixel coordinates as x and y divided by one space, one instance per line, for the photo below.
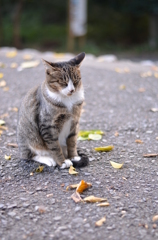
150 155
72 186
3 83
27 57
7 157
116 134
72 171
14 145
13 65
41 209
93 199
4 115
154 226
14 109
6 89
83 186
105 204
100 222
62 185
138 141
1 132
76 197
141 90
156 75
155 218
154 68
49 195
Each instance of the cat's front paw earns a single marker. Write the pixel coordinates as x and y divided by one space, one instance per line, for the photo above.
66 164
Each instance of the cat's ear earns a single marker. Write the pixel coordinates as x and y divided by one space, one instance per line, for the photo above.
76 61
48 65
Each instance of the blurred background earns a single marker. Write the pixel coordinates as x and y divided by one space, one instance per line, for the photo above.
121 27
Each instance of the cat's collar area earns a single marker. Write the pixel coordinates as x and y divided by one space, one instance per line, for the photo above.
66 101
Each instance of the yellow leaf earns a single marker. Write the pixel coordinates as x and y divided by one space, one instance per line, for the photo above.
39 169
72 186
13 65
104 149
138 141
72 171
2 122
1 75
7 157
3 83
105 204
27 57
155 218
93 199
83 186
76 197
100 222
116 165
59 55
11 54
122 87
118 70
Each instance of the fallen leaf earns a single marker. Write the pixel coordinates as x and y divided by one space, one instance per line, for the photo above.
27 57
122 87
124 178
104 149
83 186
154 226
116 165
11 54
14 145
146 74
14 109
1 75
138 141
6 89
154 68
29 64
31 174
86 133
94 137
154 109
118 70
2 122
156 75
73 186
100 222
1 132
72 171
151 155
59 55
155 218
39 169
105 204
4 115
3 128
93 199
116 134
13 65
49 195
126 70
3 83
76 197
62 185
141 90
7 157
41 209
2 65
156 138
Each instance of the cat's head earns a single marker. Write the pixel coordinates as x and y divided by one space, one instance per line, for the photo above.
64 77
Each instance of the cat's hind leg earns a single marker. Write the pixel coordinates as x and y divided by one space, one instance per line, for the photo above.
25 153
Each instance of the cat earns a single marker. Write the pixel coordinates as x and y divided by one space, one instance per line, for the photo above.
49 117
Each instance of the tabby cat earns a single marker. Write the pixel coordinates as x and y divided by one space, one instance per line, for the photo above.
49 117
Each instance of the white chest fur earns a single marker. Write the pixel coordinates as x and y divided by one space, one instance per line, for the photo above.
68 101
65 132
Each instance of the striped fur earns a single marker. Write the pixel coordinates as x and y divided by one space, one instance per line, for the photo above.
49 115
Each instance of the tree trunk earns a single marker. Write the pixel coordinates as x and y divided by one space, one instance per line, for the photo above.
16 24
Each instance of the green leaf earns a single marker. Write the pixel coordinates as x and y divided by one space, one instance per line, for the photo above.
82 138
104 149
95 137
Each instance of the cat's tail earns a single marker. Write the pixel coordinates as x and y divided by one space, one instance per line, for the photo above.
81 160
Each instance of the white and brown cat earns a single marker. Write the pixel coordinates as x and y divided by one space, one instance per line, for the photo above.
49 117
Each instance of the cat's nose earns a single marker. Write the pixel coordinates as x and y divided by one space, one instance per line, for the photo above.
71 91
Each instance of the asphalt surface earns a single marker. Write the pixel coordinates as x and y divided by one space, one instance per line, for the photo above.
38 206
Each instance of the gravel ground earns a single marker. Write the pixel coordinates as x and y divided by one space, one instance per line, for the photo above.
38 206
